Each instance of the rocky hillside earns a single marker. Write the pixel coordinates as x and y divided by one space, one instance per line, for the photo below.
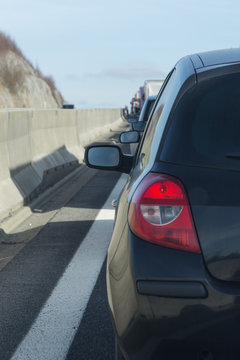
22 85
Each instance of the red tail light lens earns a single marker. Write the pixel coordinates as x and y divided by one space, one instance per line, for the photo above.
159 212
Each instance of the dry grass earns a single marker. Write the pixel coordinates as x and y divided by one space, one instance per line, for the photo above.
6 43
51 83
13 77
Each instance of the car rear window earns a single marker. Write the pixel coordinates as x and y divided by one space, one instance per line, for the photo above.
205 127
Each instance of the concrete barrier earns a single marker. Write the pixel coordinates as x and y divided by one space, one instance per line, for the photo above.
38 147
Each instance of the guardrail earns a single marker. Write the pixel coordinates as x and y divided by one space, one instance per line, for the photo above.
37 147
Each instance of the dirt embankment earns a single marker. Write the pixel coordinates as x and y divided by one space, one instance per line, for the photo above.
22 85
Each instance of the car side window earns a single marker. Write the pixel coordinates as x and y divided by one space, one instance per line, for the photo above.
145 146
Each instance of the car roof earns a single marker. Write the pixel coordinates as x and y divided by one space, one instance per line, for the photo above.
215 58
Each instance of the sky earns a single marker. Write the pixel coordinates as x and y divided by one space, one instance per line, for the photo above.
99 52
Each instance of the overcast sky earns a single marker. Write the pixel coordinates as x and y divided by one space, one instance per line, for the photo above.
100 51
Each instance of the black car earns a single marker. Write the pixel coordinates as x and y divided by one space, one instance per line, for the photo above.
173 265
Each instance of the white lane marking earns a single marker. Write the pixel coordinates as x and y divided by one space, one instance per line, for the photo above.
53 331
104 214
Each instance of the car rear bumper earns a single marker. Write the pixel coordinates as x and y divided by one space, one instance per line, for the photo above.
164 302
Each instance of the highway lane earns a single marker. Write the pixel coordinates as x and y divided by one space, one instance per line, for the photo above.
47 245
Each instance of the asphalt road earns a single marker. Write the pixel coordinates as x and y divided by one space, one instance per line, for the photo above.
40 252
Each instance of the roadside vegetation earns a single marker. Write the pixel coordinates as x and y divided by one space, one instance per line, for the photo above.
13 75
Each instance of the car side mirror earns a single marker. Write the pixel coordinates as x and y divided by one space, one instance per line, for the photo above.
129 137
108 157
139 126
104 156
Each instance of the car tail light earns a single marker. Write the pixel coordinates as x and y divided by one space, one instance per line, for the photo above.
159 212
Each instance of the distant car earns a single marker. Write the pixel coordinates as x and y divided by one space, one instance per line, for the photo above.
173 264
139 123
67 106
